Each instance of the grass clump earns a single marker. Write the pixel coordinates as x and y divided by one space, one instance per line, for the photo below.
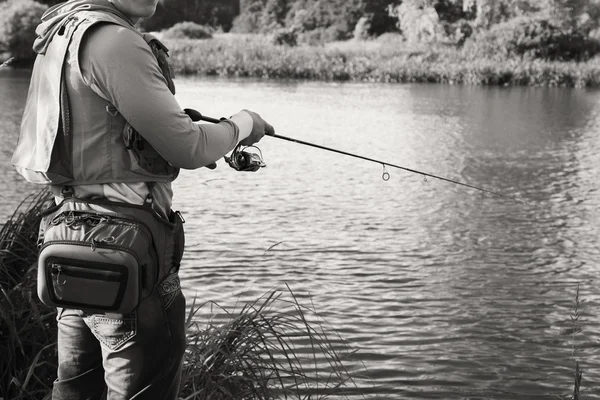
27 327
261 353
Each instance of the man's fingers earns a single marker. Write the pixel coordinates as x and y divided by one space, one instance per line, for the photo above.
269 130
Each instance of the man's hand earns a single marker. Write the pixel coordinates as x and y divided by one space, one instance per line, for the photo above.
260 128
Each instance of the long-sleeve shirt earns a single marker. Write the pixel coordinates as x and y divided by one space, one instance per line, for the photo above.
118 65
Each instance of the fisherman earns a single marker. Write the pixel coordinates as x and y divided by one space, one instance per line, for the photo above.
101 123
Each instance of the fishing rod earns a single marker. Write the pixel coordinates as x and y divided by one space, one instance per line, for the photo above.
197 116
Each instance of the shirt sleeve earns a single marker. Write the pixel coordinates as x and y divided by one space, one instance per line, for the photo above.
118 65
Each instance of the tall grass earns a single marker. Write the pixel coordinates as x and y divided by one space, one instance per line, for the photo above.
385 60
574 330
27 327
273 348
577 328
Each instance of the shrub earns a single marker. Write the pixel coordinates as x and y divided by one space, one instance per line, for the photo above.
246 23
528 37
285 36
362 28
418 21
458 32
187 30
18 20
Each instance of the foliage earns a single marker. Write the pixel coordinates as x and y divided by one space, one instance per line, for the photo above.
380 20
387 59
18 20
27 327
273 15
249 19
418 21
260 353
322 20
362 28
214 13
285 36
533 38
187 30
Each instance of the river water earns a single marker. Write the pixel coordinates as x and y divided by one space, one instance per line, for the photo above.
444 292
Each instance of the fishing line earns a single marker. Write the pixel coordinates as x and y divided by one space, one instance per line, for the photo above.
196 116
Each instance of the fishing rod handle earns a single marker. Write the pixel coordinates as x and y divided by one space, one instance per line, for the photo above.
197 116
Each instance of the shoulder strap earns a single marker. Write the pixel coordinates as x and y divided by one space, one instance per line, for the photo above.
161 53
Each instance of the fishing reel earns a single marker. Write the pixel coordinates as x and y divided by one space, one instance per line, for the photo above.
245 158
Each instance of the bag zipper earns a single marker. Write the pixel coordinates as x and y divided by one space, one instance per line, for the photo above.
80 272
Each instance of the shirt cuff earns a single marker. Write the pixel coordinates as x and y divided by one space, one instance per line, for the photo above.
244 122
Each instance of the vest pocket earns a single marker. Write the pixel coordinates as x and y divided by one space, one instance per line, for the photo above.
143 157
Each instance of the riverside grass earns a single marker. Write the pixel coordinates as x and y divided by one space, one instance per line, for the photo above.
273 348
387 59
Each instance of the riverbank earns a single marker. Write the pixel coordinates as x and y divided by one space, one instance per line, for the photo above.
386 60
383 60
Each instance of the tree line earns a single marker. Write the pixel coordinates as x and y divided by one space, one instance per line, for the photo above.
341 16
551 29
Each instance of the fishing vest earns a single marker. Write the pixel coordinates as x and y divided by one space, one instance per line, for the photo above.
109 150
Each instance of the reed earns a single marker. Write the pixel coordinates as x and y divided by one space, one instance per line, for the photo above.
272 348
27 327
577 329
269 350
574 330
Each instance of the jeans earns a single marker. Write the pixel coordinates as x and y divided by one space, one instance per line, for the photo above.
133 356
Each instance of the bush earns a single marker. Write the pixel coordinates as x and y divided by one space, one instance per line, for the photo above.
246 23
187 30
536 38
418 21
285 36
18 20
362 28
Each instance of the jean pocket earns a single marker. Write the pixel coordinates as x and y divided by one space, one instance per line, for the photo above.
113 333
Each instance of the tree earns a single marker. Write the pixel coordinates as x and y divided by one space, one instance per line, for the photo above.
249 19
273 14
380 19
18 20
418 21
204 12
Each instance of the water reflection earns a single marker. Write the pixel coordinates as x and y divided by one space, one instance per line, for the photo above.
447 293
13 90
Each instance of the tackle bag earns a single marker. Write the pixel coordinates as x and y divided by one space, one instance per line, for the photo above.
95 257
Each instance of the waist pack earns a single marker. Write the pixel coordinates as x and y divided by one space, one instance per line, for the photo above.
101 257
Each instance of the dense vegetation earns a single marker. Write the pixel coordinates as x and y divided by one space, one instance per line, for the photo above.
471 41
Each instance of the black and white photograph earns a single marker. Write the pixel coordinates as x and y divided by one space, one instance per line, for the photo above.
300 199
